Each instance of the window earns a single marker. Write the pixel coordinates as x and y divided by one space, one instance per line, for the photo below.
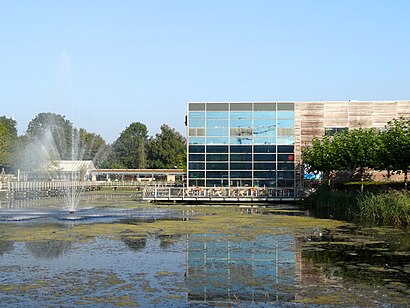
330 131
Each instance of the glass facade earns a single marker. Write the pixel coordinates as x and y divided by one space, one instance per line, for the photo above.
241 144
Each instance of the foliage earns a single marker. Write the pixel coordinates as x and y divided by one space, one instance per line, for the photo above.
129 150
359 149
8 137
93 147
396 146
167 149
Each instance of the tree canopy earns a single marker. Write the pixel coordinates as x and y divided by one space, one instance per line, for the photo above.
8 137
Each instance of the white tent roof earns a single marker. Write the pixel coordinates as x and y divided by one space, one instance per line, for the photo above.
75 165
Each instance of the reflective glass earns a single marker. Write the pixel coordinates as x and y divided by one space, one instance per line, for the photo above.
264 140
286 123
286 175
286 157
265 115
197 123
196 149
217 140
240 115
239 131
215 132
216 182
217 115
196 174
196 182
286 166
286 115
196 140
196 132
241 140
285 149
285 140
241 123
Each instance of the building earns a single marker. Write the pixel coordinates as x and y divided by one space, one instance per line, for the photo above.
258 144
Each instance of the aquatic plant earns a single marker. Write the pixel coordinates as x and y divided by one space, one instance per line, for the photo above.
389 208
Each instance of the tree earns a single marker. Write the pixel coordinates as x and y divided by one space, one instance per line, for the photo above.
129 150
396 146
8 137
320 157
93 147
167 149
54 134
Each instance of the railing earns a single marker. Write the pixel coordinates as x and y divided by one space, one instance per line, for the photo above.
159 192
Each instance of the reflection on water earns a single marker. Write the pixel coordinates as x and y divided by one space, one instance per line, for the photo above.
49 249
260 270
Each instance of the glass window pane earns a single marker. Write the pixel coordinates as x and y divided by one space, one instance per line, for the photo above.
286 140
196 174
216 166
216 140
215 132
217 106
285 149
264 106
286 157
241 106
265 174
196 157
241 174
197 123
239 131
241 115
196 140
217 182
241 140
217 149
217 115
264 166
285 106
216 157
286 115
196 149
264 115
241 123
241 157
196 166
216 174
241 166
264 157
290 123
286 175
241 149
264 149
286 166
265 140
196 106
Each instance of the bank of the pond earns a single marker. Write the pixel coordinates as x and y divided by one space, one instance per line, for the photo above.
391 208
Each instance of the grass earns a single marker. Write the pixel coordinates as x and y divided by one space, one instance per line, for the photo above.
389 208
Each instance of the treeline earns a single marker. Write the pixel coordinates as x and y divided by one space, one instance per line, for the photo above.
357 150
51 136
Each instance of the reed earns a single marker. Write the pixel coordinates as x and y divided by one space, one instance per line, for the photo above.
389 208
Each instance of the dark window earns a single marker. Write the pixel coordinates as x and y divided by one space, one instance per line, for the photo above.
264 157
264 166
216 182
196 149
196 174
196 182
241 174
216 157
265 174
241 166
216 166
264 149
330 131
196 157
287 175
217 149
285 148
286 157
241 149
196 166
241 157
286 166
216 174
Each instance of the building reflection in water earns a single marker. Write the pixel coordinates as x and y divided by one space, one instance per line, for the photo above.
265 269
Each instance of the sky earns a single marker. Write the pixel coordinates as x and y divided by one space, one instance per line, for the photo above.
106 64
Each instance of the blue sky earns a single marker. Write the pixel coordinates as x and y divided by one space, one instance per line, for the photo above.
106 64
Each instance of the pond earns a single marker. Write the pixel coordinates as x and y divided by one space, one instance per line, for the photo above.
123 253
